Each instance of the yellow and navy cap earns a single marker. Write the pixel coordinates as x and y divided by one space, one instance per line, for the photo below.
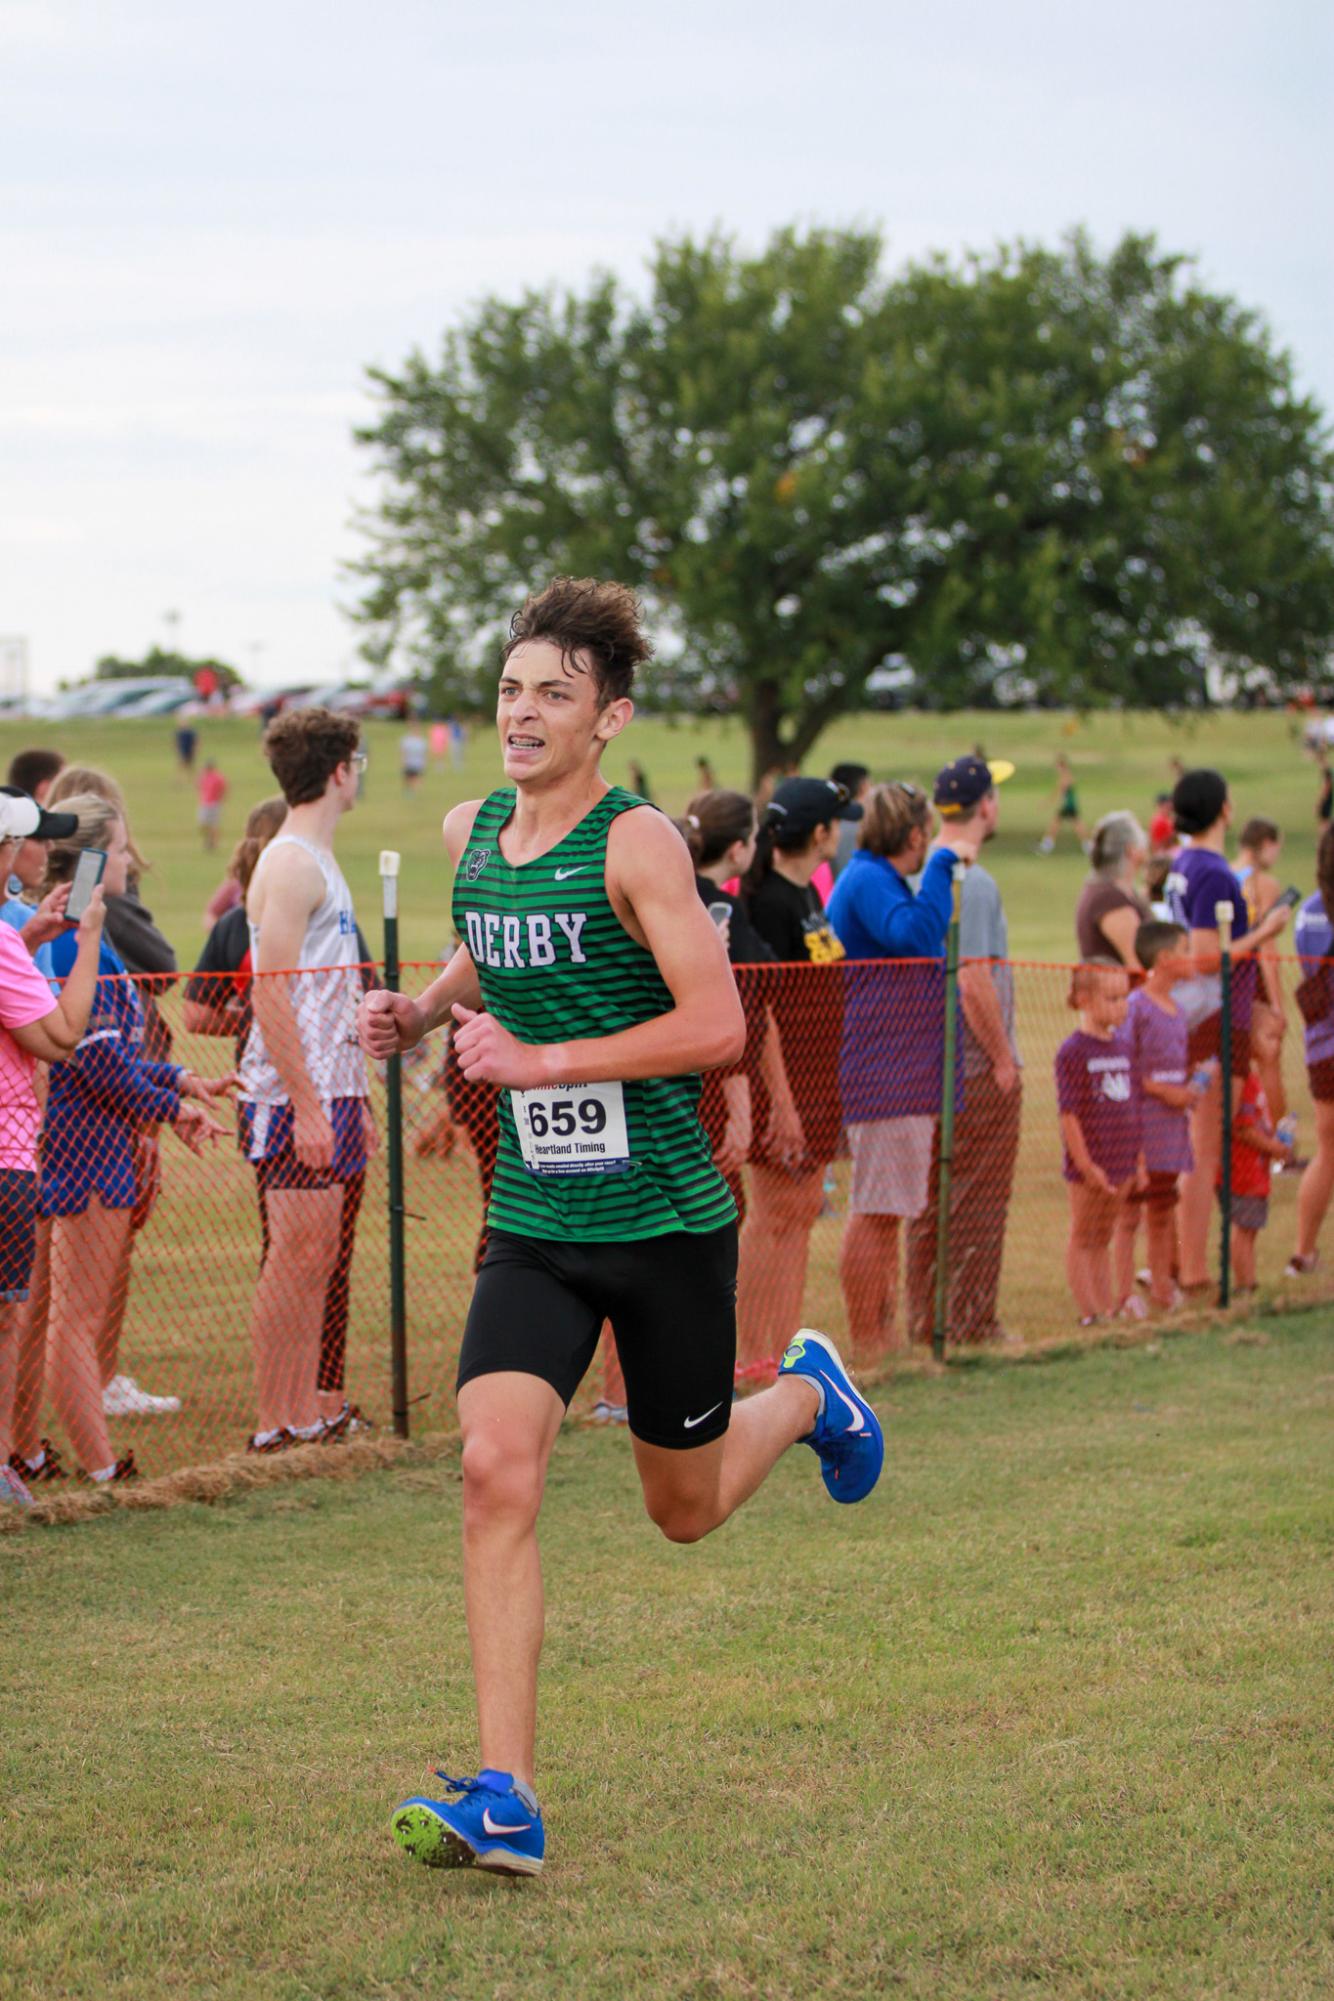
961 784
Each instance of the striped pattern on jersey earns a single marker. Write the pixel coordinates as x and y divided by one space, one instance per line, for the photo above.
556 965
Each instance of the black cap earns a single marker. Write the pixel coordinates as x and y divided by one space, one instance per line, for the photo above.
800 805
961 784
22 819
1198 798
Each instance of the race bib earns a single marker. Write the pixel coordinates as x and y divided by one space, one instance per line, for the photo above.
572 1129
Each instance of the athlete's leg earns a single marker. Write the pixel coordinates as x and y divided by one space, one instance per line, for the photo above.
689 1493
289 1304
509 1423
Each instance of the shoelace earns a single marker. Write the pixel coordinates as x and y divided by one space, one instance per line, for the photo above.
465 1786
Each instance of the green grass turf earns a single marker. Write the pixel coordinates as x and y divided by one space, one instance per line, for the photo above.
1047 1715
194 1267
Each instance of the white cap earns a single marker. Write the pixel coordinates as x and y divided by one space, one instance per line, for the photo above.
22 819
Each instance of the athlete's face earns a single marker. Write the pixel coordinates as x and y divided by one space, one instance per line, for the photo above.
550 716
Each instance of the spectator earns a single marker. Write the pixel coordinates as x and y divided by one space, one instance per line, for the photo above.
1324 802
1066 809
146 954
32 771
1156 871
890 1070
458 741
986 1131
412 755
97 1100
639 784
218 1002
1099 1127
1110 909
187 740
1315 998
856 782
705 776
1167 1094
1255 1148
33 1026
212 792
1162 827
1258 851
39 922
1201 882
305 1111
798 831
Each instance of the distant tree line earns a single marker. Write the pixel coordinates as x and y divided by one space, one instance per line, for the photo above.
1037 475
157 661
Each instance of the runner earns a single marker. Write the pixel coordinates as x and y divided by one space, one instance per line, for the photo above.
606 990
1065 811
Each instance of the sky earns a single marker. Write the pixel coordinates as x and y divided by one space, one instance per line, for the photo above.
213 220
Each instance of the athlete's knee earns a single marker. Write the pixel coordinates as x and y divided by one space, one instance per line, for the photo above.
681 1519
499 1482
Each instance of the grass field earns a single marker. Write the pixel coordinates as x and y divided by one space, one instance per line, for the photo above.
1048 1715
194 1268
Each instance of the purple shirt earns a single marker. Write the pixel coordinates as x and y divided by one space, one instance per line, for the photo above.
1314 940
1201 879
1094 1080
1158 1051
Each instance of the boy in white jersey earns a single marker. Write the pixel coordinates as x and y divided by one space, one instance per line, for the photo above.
304 1111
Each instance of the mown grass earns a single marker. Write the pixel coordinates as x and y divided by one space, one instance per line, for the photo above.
1048 1715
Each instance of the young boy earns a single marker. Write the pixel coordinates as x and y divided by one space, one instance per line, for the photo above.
1255 1147
1095 1092
1167 1095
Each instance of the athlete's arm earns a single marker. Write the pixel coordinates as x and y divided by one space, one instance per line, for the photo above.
388 1023
652 887
293 888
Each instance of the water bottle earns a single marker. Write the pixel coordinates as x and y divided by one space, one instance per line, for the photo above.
1285 1132
1202 1078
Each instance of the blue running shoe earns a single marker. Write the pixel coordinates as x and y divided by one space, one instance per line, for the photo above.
847 1435
488 1820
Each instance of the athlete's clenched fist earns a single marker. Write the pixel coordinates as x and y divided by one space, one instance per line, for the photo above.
488 1052
388 1023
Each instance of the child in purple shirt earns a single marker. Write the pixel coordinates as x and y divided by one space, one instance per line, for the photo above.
1167 1092
1095 1093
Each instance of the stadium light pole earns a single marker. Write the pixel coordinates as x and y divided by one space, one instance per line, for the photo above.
947 1119
398 1313
1223 918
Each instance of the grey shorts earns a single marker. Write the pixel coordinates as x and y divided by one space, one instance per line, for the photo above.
1250 1212
891 1165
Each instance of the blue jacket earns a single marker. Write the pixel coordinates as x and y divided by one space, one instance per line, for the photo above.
892 1060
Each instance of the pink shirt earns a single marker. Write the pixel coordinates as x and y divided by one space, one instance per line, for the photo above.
24 997
212 788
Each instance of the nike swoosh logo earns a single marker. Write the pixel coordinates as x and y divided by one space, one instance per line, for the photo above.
561 873
858 1421
691 1422
503 1827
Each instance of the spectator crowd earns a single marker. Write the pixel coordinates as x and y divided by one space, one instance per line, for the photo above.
835 898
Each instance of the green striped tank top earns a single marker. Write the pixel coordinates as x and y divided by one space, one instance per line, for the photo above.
556 965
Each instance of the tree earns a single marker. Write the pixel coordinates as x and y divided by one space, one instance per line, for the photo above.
111 667
1035 475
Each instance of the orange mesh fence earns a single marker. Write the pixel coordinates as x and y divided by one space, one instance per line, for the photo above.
193 1289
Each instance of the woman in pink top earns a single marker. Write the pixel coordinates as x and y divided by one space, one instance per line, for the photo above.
34 1026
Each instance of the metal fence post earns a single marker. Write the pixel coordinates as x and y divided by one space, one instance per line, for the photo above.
1223 918
398 1310
947 1119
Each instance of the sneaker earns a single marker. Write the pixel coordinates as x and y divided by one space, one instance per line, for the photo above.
125 1469
280 1440
610 1413
13 1489
1299 1266
48 1467
123 1397
846 1436
1133 1308
349 1421
488 1821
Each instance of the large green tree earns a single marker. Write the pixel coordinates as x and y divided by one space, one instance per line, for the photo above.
1039 474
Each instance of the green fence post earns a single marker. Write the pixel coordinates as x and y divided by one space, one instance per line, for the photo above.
398 1308
947 1120
1223 917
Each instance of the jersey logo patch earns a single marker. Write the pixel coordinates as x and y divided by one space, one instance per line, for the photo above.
476 862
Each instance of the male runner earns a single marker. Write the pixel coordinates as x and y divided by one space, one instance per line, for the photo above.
594 987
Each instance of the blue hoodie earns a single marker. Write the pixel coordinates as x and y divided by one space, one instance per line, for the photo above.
894 1015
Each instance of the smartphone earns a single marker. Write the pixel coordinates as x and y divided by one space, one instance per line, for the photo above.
1289 898
87 875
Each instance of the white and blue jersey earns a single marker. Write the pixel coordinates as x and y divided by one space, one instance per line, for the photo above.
103 1096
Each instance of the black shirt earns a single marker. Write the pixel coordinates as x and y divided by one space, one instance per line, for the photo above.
745 947
792 921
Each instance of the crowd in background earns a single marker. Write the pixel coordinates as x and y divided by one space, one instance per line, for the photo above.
835 899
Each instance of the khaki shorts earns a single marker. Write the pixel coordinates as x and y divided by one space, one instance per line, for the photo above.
891 1165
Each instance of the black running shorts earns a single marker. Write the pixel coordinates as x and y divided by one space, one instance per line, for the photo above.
539 1306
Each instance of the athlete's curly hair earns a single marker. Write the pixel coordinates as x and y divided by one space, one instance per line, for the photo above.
305 747
599 621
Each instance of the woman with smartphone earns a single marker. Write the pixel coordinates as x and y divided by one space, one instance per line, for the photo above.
100 1098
